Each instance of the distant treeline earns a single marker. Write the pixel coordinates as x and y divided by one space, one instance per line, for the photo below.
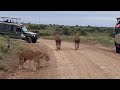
70 30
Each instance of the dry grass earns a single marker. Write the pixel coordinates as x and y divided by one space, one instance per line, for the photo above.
9 57
92 38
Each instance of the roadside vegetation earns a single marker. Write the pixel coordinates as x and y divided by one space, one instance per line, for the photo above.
88 34
8 55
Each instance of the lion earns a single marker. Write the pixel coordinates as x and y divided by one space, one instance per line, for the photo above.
77 41
31 55
58 41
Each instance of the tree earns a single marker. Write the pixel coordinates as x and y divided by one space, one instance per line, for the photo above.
60 26
89 26
76 25
83 33
42 26
66 32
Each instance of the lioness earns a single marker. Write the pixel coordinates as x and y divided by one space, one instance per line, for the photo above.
31 55
58 41
77 41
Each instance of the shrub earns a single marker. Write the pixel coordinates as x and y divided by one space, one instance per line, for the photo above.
83 33
46 34
3 45
112 35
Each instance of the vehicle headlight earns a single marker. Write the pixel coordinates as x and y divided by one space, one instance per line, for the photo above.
22 35
33 35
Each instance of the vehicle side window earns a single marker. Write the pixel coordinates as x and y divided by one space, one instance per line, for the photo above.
12 28
18 29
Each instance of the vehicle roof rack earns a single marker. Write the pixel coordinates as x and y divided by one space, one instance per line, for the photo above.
11 18
118 18
8 18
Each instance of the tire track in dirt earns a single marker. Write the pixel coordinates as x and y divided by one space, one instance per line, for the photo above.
87 68
65 68
109 64
90 62
79 66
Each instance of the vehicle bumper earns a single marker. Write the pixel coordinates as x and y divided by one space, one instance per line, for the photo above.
34 37
117 46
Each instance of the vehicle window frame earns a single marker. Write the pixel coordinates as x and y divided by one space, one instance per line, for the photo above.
18 29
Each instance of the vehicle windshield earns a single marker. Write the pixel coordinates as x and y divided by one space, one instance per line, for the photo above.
24 29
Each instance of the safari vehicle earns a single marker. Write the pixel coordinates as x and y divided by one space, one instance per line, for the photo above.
16 30
117 36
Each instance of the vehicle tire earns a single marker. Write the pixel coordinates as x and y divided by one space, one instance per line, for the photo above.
117 50
28 39
23 38
34 40
117 38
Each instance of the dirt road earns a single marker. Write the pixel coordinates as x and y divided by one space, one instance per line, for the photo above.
89 62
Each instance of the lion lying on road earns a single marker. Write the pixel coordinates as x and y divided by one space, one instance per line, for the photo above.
31 55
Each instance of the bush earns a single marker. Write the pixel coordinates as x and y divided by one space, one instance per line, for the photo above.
3 45
83 33
45 34
65 32
3 49
112 35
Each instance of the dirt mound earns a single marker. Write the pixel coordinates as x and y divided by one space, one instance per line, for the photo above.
117 38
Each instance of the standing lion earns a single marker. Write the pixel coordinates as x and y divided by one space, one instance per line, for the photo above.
77 41
58 41
31 55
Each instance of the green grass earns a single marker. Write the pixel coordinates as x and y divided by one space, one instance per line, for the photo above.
15 46
8 56
3 45
18 46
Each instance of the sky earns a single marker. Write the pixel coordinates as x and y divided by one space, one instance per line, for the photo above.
81 18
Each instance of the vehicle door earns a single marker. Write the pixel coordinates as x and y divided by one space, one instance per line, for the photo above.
18 32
